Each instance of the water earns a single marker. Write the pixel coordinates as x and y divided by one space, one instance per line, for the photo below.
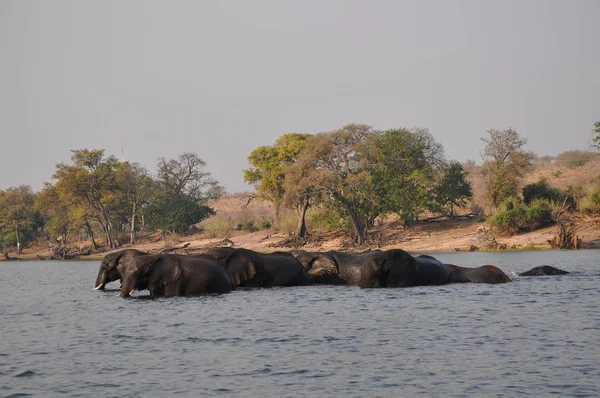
537 336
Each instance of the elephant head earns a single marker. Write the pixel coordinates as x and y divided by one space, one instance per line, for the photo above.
245 267
111 269
390 268
152 272
322 268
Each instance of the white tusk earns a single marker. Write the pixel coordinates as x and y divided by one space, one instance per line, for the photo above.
100 286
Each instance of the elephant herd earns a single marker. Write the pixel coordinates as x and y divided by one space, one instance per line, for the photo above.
222 269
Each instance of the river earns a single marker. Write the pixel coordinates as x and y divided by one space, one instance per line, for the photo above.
537 336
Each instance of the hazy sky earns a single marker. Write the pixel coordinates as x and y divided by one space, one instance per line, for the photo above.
220 78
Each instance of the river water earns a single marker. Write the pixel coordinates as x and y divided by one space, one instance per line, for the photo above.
537 336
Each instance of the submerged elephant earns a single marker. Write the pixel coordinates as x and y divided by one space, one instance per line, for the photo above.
484 274
543 270
174 275
248 268
391 268
112 267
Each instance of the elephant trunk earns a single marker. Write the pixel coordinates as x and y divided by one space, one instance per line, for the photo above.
128 287
101 279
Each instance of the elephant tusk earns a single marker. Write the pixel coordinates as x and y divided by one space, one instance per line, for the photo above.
99 287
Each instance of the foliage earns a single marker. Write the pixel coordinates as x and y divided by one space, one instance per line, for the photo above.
18 216
538 215
403 165
504 164
596 136
453 189
328 218
510 217
541 190
247 226
181 194
217 226
267 171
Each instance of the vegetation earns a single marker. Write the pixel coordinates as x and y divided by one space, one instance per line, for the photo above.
339 180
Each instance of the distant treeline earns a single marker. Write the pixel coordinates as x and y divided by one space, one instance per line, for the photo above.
355 173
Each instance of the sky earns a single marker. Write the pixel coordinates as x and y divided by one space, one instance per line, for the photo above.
150 79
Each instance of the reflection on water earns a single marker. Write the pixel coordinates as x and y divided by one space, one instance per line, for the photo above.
536 336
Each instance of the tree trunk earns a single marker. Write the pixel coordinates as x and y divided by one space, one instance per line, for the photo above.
91 233
301 227
132 231
359 228
19 251
277 206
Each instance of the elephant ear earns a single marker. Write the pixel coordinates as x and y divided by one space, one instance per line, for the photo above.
322 268
374 270
241 266
403 269
110 261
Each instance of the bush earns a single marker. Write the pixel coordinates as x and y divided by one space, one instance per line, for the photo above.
538 215
218 226
510 217
247 226
288 221
327 218
541 190
592 204
265 224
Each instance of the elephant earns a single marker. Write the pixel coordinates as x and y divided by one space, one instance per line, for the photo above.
112 267
543 270
484 274
391 268
333 267
174 275
248 268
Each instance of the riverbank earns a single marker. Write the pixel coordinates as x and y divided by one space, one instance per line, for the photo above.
420 237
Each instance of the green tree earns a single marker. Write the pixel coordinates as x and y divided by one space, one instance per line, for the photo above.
403 164
92 178
453 188
504 164
17 215
182 191
268 163
338 171
135 189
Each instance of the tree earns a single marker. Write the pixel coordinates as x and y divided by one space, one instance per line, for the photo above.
267 172
596 136
453 188
91 178
504 164
17 214
403 167
338 171
135 186
182 191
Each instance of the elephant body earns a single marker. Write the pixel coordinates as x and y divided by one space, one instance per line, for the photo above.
391 268
175 275
248 268
113 268
483 274
543 270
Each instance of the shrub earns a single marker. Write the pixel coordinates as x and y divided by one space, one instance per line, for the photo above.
265 224
218 226
538 215
288 221
510 217
248 226
541 190
327 218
